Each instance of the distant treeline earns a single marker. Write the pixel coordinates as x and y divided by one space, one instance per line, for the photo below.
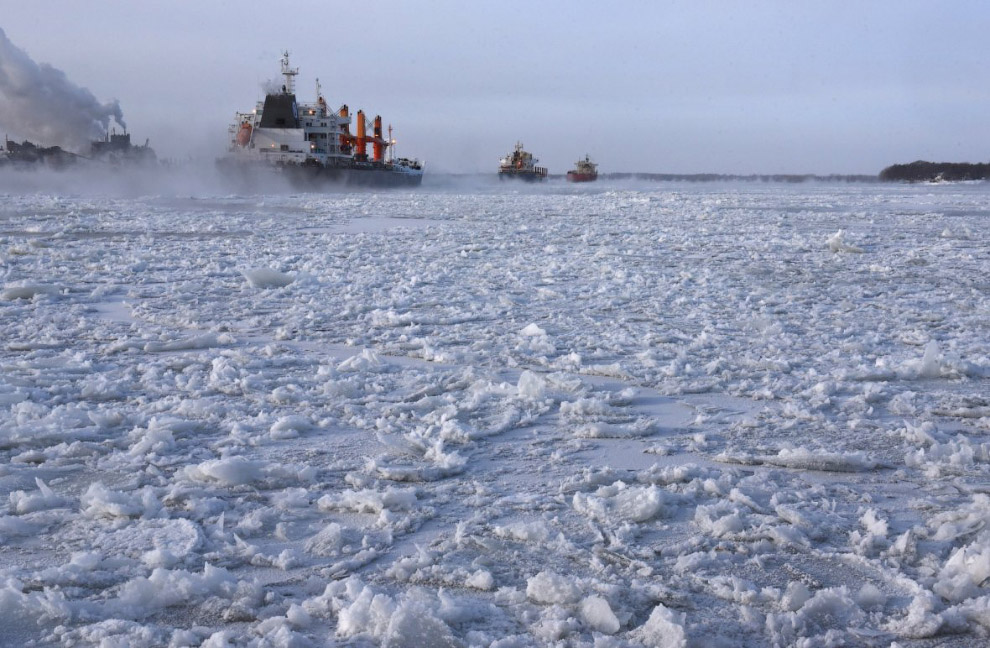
719 177
922 171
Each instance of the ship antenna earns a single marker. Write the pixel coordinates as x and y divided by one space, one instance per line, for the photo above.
289 73
319 93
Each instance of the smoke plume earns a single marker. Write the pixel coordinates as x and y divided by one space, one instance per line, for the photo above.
271 86
38 102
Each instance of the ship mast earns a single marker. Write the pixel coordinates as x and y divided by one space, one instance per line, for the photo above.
289 73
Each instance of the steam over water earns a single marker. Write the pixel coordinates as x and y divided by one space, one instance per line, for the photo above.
481 414
39 103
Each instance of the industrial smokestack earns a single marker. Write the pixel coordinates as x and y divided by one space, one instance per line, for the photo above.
38 102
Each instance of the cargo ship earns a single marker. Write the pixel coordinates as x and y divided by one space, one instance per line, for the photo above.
312 145
584 171
522 165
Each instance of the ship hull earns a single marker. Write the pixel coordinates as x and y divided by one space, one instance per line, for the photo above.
306 177
527 176
573 176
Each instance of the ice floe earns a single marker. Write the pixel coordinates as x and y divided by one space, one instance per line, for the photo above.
617 416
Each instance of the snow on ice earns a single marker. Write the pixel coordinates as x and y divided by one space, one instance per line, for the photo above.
612 416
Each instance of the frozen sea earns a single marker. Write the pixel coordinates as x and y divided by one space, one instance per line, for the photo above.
611 415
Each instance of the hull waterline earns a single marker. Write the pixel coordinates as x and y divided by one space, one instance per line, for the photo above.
317 178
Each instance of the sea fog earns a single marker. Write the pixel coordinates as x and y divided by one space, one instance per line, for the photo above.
483 414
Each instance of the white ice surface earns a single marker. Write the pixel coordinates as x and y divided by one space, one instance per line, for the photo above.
612 415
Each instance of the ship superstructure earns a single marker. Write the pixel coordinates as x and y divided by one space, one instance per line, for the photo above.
316 142
521 164
584 171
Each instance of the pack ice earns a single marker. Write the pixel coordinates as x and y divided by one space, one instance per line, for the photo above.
611 416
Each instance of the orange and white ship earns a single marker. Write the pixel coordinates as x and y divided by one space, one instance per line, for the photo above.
312 143
584 171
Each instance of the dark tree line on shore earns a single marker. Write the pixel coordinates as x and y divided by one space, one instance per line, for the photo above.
922 171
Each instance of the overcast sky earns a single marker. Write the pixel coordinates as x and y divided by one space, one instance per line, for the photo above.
667 87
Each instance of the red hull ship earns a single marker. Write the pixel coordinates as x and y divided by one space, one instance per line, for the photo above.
584 171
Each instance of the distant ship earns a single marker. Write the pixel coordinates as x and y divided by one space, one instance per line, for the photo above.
312 145
584 171
522 165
